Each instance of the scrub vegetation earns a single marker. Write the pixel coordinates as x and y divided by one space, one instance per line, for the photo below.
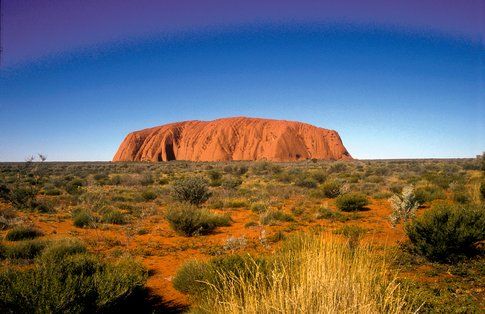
314 236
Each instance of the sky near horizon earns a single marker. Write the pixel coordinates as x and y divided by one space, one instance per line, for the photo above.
396 79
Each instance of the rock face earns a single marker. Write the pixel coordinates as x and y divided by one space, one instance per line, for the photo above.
227 139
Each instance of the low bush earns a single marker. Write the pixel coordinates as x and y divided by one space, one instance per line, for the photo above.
149 195
231 182
74 186
259 207
268 217
235 203
326 213
447 232
113 217
24 250
352 202
214 175
44 207
7 218
189 220
70 282
320 176
193 190
331 189
57 250
307 182
23 197
195 277
51 190
83 219
429 193
23 233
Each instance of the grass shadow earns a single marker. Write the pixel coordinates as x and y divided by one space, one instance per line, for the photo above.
145 301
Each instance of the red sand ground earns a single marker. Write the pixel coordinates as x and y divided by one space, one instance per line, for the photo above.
162 251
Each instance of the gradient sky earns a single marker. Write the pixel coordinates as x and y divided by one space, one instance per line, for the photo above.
396 79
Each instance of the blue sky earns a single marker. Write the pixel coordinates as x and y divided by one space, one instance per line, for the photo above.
389 92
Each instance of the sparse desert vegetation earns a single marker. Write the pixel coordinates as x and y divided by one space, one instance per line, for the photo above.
313 236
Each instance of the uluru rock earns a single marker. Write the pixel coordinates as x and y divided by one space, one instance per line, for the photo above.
228 139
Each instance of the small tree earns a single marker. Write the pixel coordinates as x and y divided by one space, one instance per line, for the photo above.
404 206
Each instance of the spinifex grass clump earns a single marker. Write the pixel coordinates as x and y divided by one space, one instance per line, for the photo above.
83 218
23 233
447 232
22 250
310 274
115 217
190 220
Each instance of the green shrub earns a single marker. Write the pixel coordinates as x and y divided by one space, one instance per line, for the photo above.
83 219
214 175
352 202
23 197
70 283
146 179
57 250
102 178
270 216
113 217
4 193
189 220
259 207
44 207
23 233
242 170
482 190
149 195
325 213
235 203
193 190
331 189
231 182
24 250
461 197
51 190
319 176
429 193
74 187
196 277
382 195
446 231
306 182
7 217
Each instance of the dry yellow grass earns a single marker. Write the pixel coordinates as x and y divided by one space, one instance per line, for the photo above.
314 274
